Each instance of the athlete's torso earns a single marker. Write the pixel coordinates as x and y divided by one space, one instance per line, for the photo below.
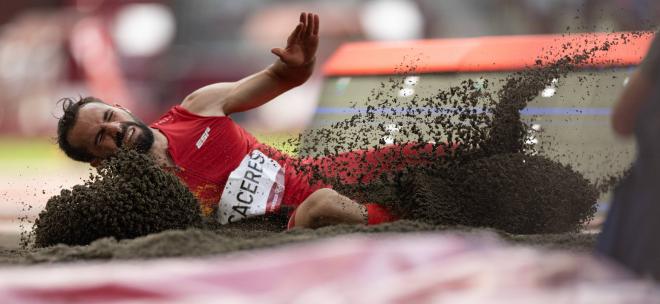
232 175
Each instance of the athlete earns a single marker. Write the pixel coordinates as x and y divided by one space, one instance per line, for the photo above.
232 175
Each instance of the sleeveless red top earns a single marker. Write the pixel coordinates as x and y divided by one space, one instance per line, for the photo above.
229 171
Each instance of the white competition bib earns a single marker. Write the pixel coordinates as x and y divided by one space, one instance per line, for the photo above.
254 188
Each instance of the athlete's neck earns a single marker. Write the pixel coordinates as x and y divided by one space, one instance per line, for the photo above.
159 150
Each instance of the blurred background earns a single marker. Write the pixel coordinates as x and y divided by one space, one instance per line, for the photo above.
148 55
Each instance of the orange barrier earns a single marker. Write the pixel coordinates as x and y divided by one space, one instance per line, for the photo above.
482 54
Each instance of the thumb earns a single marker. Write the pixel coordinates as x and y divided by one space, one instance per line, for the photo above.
278 52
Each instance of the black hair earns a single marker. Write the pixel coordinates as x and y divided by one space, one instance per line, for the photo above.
70 108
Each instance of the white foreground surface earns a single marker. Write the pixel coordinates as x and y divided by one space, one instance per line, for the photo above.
420 268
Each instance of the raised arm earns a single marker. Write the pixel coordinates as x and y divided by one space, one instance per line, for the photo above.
293 67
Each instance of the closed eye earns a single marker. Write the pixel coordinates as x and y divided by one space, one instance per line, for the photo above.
99 136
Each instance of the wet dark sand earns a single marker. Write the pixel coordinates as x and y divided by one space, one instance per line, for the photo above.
202 242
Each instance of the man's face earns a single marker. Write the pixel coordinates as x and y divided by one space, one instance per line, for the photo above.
102 129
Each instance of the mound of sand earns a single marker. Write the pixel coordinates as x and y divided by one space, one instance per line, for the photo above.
130 197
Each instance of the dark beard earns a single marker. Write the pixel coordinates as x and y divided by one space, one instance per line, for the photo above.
143 141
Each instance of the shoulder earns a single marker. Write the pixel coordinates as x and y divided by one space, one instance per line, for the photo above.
202 107
208 100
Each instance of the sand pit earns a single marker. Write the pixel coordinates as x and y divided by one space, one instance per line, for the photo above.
196 242
487 179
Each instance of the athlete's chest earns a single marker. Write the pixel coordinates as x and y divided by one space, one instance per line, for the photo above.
231 177
211 151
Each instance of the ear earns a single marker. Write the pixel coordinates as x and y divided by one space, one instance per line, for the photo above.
95 162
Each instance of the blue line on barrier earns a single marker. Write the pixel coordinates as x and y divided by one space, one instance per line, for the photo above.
602 123
320 123
567 111
561 111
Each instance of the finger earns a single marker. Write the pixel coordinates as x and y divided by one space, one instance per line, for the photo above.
310 24
296 32
278 52
303 19
317 22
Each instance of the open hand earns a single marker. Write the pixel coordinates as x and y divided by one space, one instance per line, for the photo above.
302 43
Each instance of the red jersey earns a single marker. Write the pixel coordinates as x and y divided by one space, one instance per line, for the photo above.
234 176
